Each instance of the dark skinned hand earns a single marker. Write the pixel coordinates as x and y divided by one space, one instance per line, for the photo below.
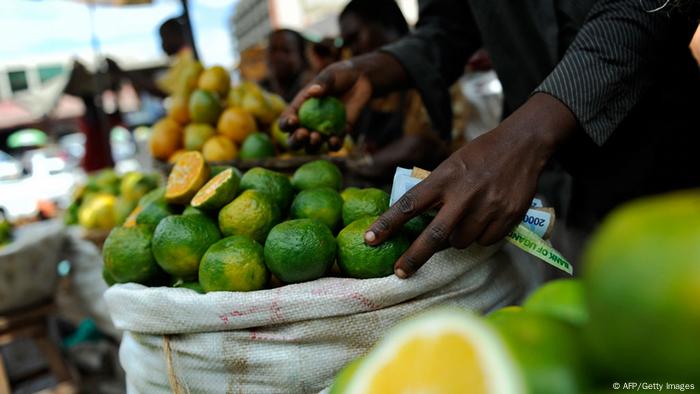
342 80
482 190
354 82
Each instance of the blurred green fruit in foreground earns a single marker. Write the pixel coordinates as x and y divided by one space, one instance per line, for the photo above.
548 352
561 299
642 282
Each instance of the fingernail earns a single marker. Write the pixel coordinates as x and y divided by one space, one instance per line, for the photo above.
370 236
400 273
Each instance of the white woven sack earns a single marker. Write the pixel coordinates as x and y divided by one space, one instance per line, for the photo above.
291 339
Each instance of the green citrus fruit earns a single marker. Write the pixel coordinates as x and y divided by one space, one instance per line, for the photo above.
135 185
122 209
274 184
366 202
315 174
505 310
257 146
157 194
190 210
98 212
280 137
179 242
127 254
323 204
252 213
359 260
233 264
344 377
215 79
299 250
104 181
107 277
153 213
215 170
218 191
325 115
349 192
196 134
416 225
642 286
560 299
548 352
204 107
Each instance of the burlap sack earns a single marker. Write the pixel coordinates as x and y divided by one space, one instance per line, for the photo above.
292 339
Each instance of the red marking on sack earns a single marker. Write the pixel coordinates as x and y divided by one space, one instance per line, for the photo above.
275 309
276 312
224 318
237 313
364 300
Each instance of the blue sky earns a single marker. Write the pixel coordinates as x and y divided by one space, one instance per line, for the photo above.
39 31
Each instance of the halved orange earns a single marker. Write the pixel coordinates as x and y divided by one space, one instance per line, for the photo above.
188 175
444 351
218 191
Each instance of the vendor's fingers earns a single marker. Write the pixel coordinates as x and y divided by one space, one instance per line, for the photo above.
299 138
411 204
315 138
313 142
355 101
468 230
317 89
433 239
288 122
495 231
335 143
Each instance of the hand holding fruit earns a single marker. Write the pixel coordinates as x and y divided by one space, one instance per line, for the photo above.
315 115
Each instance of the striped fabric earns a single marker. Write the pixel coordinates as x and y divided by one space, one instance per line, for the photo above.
610 63
600 72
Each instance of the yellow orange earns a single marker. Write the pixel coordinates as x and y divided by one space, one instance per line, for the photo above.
166 138
215 79
178 110
236 124
219 148
187 176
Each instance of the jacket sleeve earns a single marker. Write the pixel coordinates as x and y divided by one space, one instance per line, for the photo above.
435 54
610 64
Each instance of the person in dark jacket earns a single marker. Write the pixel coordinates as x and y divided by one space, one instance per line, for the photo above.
607 88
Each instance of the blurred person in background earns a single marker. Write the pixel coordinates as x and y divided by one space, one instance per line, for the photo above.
95 122
288 68
176 46
607 88
322 54
393 129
